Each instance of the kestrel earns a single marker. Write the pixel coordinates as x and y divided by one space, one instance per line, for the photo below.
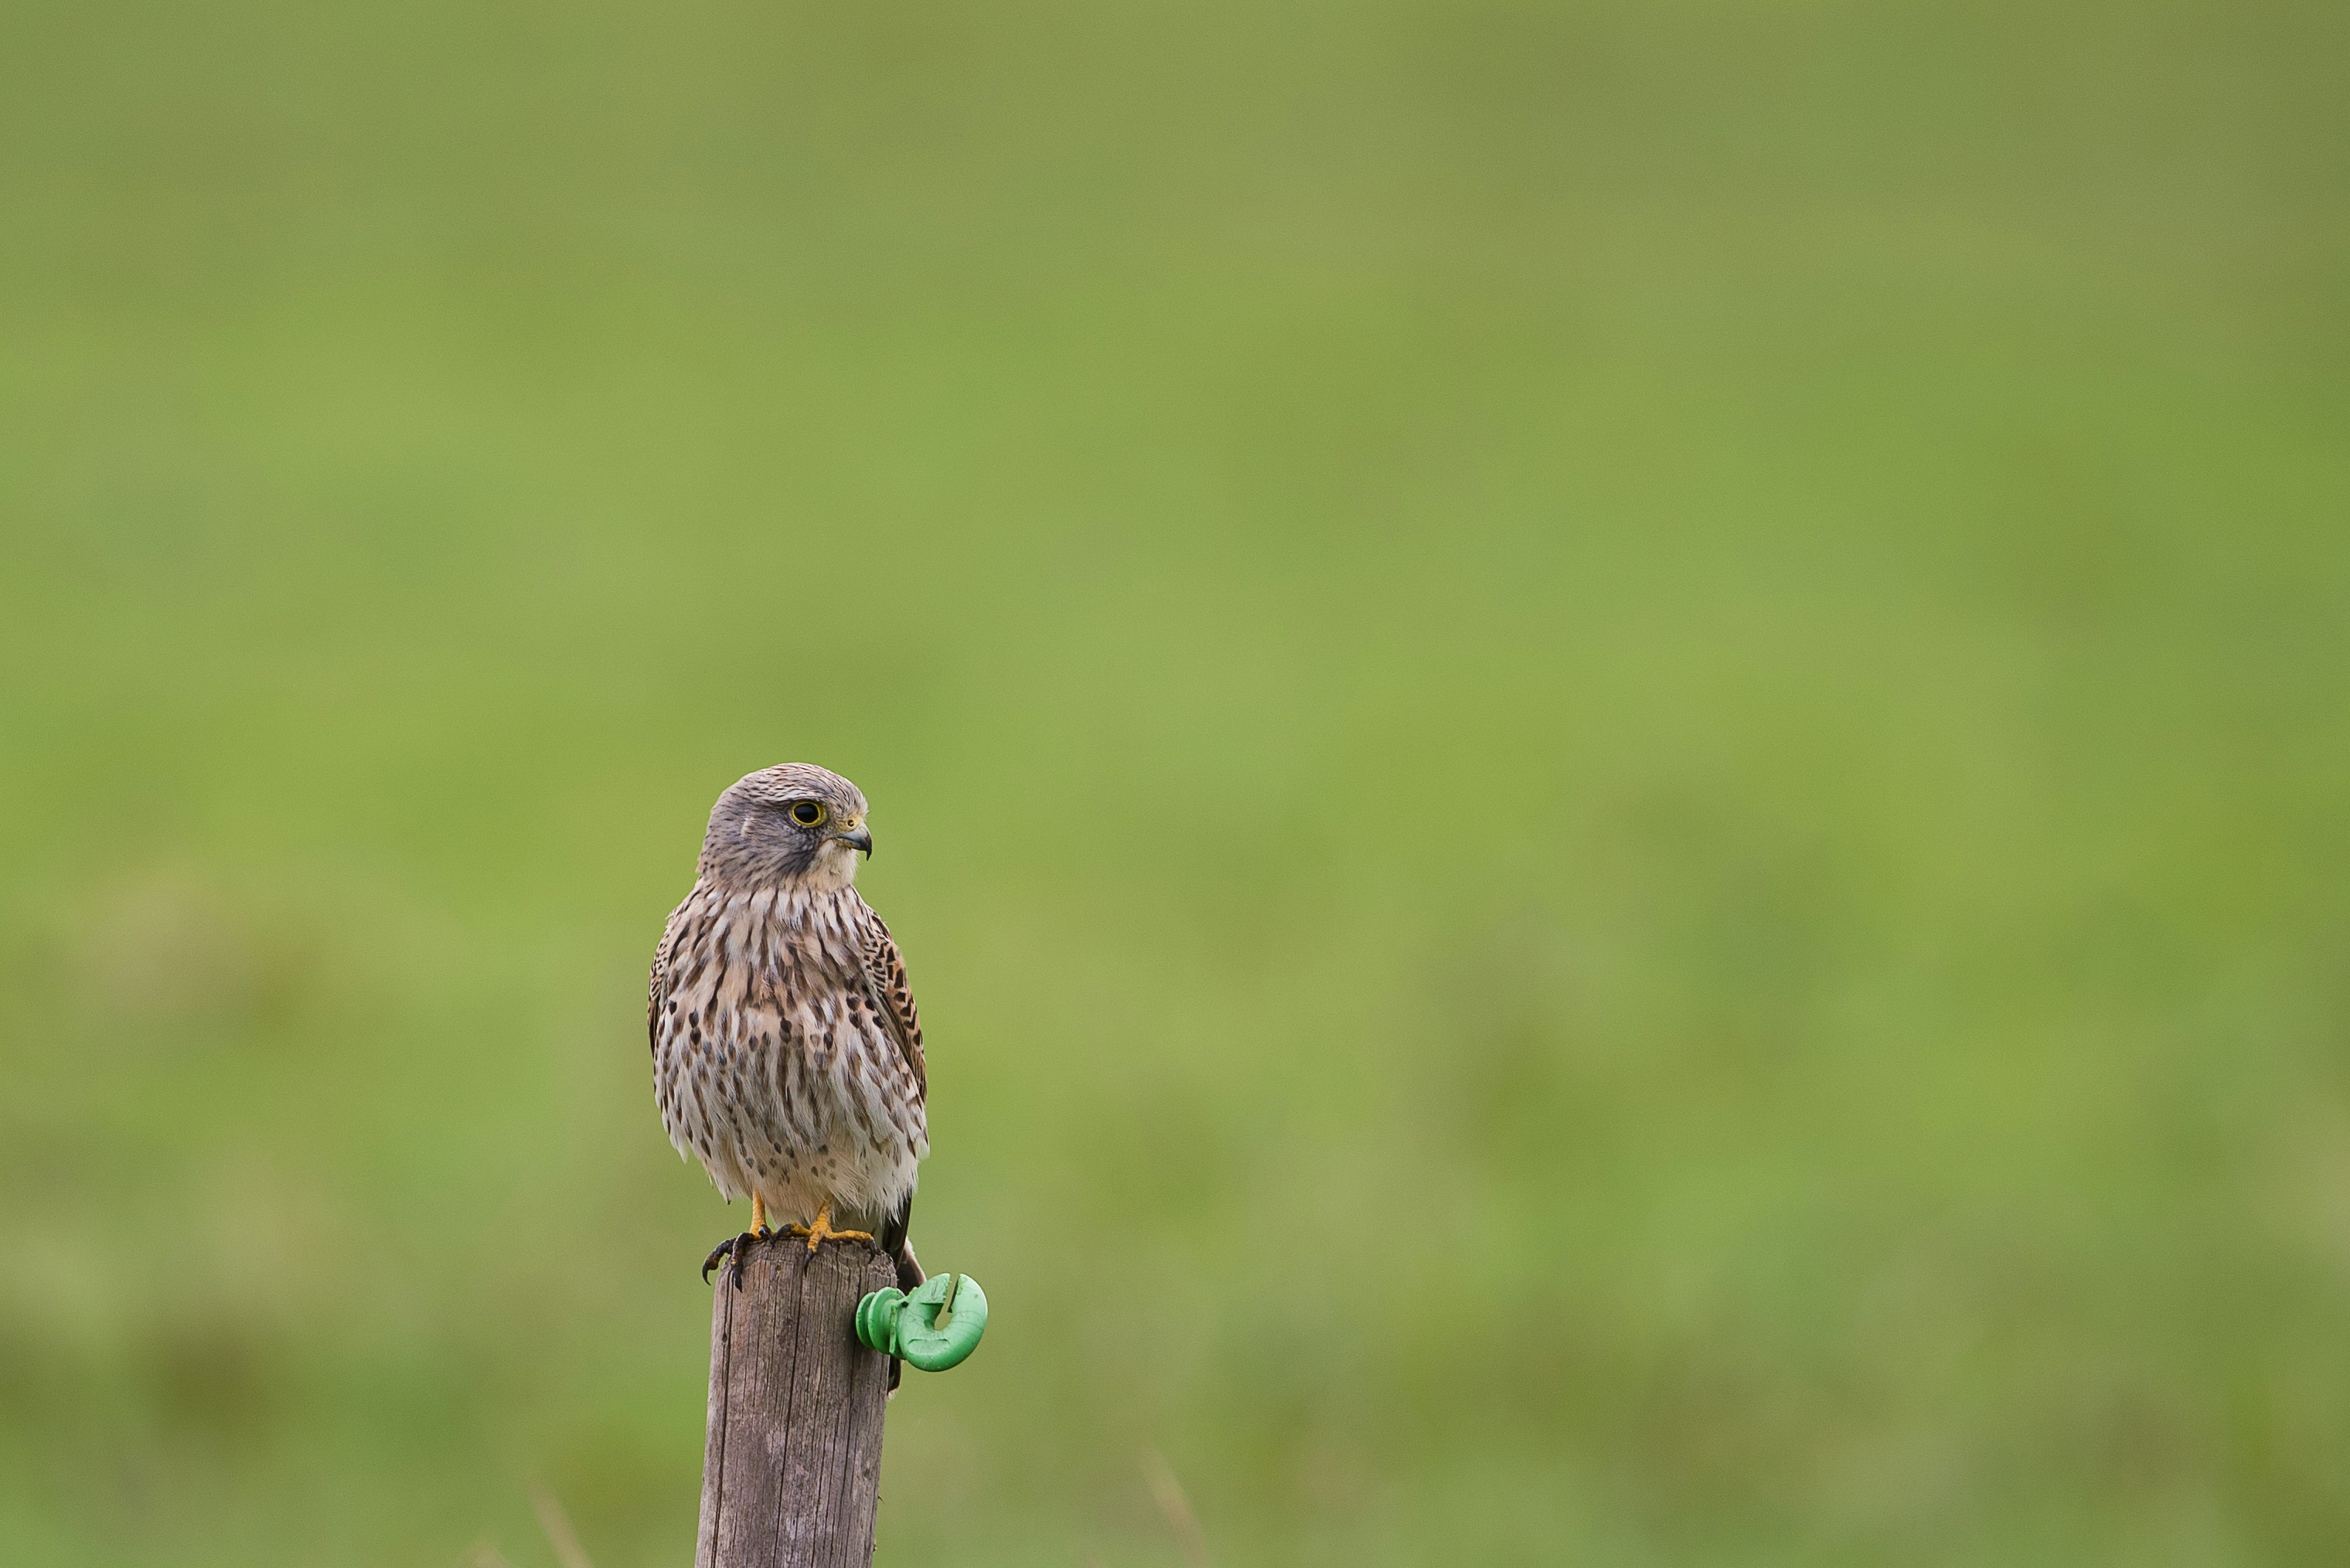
788 1055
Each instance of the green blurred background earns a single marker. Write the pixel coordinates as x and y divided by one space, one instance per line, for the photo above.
1610 740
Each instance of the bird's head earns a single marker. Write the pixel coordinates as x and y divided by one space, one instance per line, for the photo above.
794 824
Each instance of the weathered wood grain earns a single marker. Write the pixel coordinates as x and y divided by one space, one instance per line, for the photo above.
790 1473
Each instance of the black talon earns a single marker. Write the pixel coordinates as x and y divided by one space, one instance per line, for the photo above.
743 1250
734 1247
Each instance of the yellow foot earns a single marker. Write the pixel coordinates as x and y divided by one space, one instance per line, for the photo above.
822 1231
758 1215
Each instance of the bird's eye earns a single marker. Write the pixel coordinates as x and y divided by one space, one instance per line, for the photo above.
809 813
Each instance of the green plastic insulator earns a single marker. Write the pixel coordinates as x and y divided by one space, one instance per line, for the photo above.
876 1320
935 1329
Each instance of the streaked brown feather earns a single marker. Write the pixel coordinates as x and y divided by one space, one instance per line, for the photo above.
885 975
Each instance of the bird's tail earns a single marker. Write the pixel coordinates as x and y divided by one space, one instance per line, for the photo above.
900 1248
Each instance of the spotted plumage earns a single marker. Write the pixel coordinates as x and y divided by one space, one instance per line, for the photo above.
787 1054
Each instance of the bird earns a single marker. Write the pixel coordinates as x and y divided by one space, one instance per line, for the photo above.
787 1052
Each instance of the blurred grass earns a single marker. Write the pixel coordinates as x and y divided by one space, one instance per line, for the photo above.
1610 740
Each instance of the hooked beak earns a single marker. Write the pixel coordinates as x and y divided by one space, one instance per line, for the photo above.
858 838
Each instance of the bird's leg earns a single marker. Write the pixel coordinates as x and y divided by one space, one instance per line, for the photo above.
758 1215
822 1231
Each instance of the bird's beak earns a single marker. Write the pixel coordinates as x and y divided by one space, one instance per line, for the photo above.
860 838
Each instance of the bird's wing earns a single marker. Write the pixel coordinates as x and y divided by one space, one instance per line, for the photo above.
885 977
893 998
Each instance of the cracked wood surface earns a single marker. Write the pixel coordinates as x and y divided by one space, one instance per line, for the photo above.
791 1472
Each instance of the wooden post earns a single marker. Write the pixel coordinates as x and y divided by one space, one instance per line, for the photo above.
791 1475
